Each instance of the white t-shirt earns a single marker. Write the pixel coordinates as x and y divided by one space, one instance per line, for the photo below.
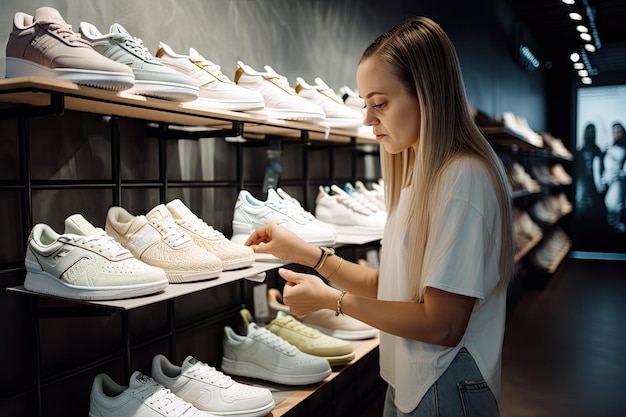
462 258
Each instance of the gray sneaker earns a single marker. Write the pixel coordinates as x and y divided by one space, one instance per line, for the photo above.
44 45
152 78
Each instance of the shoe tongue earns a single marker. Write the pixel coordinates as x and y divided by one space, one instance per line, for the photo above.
272 195
76 224
117 28
179 210
160 212
137 379
195 55
320 83
48 14
336 190
189 362
270 70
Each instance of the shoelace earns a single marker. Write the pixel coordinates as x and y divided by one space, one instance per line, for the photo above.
212 68
295 204
162 399
207 373
353 204
290 210
100 241
299 327
268 338
281 80
136 45
200 227
171 233
64 31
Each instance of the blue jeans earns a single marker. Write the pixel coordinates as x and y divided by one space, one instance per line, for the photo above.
460 392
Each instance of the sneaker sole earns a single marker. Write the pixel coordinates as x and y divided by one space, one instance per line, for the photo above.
163 90
44 283
346 334
256 412
290 114
237 263
181 277
316 241
233 105
342 123
107 80
253 370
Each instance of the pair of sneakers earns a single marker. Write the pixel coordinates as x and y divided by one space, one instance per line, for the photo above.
193 389
171 237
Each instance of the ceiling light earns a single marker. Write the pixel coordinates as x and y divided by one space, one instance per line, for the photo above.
585 37
575 16
582 28
579 65
574 57
583 73
569 1
586 80
589 47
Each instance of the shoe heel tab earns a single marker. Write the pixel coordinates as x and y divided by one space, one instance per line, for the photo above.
238 74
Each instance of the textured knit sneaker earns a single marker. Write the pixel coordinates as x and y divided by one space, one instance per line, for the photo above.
263 355
85 263
216 90
281 101
340 327
156 240
347 215
233 255
152 78
310 340
337 113
144 397
44 45
250 214
210 390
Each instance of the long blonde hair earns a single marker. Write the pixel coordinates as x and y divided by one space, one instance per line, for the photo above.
424 59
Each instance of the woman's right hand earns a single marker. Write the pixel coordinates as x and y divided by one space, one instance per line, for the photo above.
282 243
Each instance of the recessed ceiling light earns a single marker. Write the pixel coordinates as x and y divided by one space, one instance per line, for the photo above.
583 73
574 57
575 16
569 1
585 37
586 80
579 65
582 28
589 47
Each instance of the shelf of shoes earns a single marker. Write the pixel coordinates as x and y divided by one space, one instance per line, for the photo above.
255 272
40 92
288 399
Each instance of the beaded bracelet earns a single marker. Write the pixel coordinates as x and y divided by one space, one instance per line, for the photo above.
338 312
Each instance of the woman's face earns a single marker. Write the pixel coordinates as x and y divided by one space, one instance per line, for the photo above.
393 113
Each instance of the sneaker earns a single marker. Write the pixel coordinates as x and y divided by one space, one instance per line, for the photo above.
263 355
340 327
152 78
85 263
309 340
347 215
216 90
250 214
281 195
281 100
156 240
337 113
352 99
210 390
233 255
44 45
142 397
376 195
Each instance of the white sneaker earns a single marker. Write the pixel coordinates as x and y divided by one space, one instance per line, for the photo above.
156 240
319 225
216 90
376 195
281 101
347 215
233 255
85 263
342 327
337 113
144 397
250 214
263 355
352 99
210 390
152 78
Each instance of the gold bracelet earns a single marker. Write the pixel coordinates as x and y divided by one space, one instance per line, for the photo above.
339 300
336 269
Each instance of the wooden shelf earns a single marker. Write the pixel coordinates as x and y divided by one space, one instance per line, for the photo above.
528 247
39 92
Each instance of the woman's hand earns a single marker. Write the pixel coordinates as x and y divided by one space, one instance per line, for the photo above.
305 293
284 244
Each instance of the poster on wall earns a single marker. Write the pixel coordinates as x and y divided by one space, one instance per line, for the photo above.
600 160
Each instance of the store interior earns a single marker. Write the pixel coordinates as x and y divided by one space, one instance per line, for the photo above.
91 151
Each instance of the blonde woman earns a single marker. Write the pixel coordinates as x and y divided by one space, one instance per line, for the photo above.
439 297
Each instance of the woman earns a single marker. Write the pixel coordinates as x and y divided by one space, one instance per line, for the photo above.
439 296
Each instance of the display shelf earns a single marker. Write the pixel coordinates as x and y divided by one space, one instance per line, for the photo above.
557 260
503 136
263 263
528 247
58 96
